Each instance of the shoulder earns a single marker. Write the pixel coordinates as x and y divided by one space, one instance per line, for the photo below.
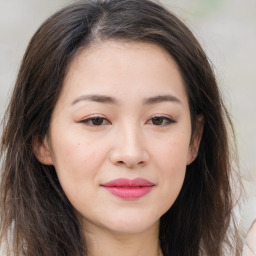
250 242
248 216
248 227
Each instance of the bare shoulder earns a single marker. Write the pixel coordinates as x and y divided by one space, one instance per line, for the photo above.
250 244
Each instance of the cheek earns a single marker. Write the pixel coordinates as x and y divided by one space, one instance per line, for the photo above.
172 154
77 166
171 165
76 151
77 162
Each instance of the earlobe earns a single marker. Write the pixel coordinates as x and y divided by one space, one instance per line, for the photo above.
195 140
41 149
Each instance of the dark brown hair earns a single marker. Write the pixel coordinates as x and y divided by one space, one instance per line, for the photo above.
35 214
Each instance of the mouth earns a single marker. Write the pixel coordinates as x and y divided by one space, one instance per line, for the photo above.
129 189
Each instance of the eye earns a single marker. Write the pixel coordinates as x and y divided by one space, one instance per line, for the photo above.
160 121
95 121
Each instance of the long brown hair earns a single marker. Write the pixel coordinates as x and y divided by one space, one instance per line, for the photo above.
36 217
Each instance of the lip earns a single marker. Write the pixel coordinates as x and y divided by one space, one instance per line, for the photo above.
129 189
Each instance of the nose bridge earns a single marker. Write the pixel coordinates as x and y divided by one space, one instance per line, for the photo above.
129 149
130 139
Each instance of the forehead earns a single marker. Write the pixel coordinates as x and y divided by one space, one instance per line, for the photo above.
115 52
131 67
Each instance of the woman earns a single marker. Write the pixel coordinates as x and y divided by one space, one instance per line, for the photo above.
115 139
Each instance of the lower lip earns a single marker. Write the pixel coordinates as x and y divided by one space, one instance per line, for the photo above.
129 193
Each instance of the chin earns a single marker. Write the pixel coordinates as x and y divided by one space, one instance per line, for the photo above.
132 224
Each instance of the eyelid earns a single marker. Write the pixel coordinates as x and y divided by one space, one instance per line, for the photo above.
90 118
169 119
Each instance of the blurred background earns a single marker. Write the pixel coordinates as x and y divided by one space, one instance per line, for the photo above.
225 28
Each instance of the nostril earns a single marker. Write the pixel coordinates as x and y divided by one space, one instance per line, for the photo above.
130 164
130 160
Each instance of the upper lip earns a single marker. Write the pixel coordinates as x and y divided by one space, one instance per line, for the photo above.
124 182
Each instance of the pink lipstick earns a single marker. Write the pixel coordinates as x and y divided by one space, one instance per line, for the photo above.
129 189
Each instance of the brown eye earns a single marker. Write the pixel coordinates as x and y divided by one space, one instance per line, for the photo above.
161 121
95 121
158 120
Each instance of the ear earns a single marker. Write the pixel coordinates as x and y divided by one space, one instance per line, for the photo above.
195 139
41 149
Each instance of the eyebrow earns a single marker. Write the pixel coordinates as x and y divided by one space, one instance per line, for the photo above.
96 98
160 99
110 100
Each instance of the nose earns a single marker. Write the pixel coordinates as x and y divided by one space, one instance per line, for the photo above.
129 149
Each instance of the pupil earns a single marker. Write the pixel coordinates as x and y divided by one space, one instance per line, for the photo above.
157 120
97 121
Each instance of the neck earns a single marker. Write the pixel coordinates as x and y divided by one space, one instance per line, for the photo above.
104 242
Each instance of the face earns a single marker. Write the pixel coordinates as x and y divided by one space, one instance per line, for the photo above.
120 135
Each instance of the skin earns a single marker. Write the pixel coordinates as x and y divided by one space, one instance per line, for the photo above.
137 134
250 245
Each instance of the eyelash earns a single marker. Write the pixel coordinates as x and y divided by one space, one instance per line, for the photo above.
89 121
156 121
92 121
167 120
